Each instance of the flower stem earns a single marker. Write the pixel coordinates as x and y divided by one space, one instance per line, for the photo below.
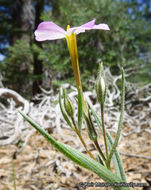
104 135
82 140
99 150
73 50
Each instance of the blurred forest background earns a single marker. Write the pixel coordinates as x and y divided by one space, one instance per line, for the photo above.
25 64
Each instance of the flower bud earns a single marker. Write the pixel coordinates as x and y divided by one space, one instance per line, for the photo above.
100 85
67 104
90 127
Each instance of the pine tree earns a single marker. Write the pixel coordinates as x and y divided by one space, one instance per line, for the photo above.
22 67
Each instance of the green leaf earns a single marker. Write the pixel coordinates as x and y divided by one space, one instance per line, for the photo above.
90 126
114 145
99 159
78 157
80 111
64 112
116 158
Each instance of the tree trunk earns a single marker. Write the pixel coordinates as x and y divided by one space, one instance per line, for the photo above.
38 68
28 19
16 11
27 26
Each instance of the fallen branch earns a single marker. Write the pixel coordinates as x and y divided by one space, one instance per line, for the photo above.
136 156
7 93
47 112
10 126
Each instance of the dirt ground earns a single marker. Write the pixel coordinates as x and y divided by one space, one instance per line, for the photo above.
38 166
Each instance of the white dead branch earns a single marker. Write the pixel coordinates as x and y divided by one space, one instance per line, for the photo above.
16 97
10 130
47 112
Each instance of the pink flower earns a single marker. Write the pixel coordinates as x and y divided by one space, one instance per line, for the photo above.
51 31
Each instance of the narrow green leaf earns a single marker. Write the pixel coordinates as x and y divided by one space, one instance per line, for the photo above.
80 111
79 158
64 112
99 160
120 121
90 127
118 165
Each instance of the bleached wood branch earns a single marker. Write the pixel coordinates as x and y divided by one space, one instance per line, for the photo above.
136 156
10 130
47 112
7 93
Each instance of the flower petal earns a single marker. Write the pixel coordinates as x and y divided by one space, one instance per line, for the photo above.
82 28
49 31
88 26
101 27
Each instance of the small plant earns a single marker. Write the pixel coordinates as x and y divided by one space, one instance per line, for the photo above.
100 164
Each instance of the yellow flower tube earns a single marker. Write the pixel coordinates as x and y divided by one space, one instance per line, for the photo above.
73 50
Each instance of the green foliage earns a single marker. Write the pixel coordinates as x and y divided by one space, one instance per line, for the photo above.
79 158
5 25
120 120
80 110
127 44
64 113
116 157
20 52
16 67
90 163
121 46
